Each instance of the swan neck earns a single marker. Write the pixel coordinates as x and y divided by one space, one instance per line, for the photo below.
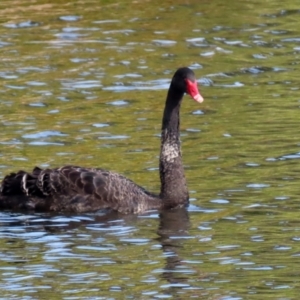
173 183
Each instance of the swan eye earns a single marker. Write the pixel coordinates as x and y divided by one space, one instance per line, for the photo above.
192 90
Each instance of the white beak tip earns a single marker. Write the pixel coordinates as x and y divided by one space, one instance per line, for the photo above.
198 98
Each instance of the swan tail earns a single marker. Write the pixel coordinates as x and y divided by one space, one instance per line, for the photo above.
19 191
12 184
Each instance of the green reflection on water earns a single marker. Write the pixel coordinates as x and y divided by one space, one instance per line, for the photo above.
55 77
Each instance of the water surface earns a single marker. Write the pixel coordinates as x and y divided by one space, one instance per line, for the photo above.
83 82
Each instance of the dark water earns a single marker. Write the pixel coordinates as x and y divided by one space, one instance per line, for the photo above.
83 82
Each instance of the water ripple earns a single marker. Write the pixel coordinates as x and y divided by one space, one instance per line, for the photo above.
289 156
164 43
24 24
69 18
81 84
43 134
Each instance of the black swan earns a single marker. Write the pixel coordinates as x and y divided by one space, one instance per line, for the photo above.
77 189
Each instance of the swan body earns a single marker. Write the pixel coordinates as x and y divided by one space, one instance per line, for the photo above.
78 189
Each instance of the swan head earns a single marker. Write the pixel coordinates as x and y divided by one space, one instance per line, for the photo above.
185 80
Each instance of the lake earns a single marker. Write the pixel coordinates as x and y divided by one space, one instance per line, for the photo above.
84 83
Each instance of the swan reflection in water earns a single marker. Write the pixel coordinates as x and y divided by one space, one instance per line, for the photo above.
99 238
